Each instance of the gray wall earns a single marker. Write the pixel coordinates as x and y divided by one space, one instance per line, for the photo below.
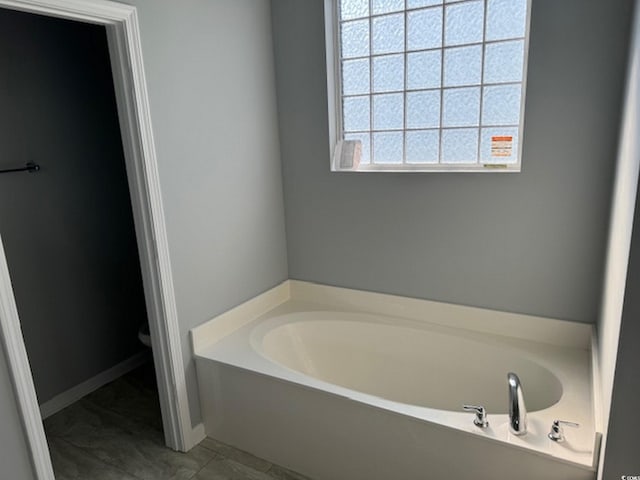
67 230
209 69
531 242
15 462
621 451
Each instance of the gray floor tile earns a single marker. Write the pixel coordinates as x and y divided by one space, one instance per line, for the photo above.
75 420
116 434
142 457
130 396
85 418
73 463
236 454
131 445
226 469
280 473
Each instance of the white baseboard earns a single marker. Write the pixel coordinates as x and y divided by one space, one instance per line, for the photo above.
74 394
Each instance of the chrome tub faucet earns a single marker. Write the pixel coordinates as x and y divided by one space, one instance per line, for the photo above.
517 409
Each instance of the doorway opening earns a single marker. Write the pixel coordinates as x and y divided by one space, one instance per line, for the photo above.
83 248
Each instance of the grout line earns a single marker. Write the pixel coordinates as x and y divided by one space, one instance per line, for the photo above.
434 89
219 456
405 102
435 49
432 128
485 13
215 457
442 51
414 9
370 20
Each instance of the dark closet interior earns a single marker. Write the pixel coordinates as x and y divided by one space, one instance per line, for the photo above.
67 229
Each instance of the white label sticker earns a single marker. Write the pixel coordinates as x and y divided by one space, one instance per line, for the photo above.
502 146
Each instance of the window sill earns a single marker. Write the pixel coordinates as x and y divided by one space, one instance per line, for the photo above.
514 168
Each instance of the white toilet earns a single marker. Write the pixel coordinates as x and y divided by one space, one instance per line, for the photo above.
144 335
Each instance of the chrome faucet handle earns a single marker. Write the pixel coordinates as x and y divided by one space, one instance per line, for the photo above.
481 415
557 433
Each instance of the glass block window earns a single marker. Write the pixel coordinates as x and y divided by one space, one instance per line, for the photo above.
431 84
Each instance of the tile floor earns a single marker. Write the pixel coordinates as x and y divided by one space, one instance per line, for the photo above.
115 433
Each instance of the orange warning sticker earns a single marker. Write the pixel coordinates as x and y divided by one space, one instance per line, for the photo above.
502 146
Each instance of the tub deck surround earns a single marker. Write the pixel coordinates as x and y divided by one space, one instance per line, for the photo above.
527 327
306 340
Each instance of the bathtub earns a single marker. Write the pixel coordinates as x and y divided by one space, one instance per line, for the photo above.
339 389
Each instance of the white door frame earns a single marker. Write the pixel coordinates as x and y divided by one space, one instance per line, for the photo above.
121 23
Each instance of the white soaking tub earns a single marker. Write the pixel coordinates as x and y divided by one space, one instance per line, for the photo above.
346 394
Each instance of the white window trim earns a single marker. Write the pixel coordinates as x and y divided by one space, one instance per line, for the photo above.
334 88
